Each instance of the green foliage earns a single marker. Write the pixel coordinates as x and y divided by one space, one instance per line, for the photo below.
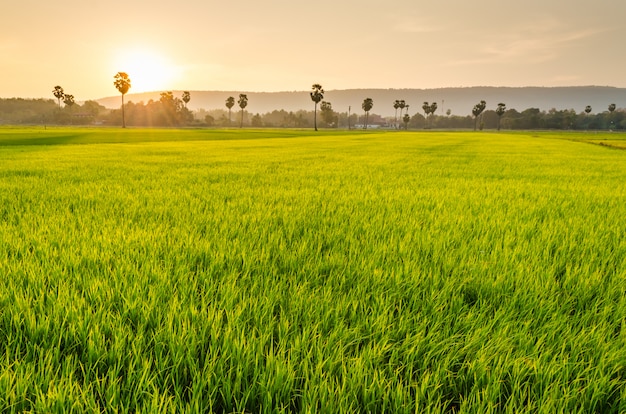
232 271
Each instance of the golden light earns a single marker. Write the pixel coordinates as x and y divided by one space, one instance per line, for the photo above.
147 70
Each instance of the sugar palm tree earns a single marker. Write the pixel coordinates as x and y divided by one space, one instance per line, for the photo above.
317 94
368 103
122 83
401 105
58 93
426 109
243 102
186 98
406 120
500 110
396 105
587 109
68 100
477 110
230 102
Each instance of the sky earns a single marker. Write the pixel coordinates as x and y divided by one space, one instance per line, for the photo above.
287 45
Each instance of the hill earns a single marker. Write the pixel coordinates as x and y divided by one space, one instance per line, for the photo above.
459 100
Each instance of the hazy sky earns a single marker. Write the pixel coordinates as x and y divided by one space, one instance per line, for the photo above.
284 45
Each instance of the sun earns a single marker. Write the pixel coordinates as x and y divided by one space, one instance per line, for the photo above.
148 71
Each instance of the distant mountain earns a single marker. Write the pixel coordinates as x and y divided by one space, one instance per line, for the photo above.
459 100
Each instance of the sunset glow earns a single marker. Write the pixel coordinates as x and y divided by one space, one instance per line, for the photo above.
266 47
147 70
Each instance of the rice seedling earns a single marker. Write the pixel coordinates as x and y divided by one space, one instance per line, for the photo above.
283 271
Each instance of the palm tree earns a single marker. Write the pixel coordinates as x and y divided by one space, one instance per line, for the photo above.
58 93
611 110
243 102
402 105
186 98
478 109
68 100
122 83
433 108
587 109
368 104
426 108
317 94
230 102
500 110
396 105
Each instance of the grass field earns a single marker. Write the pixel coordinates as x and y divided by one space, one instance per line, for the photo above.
287 271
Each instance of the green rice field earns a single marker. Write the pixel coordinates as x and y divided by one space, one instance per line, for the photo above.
288 271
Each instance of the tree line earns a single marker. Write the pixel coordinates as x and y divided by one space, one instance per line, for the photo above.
170 110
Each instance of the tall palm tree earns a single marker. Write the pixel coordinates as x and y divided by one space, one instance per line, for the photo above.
317 94
396 105
368 103
59 94
611 110
401 105
230 102
500 110
186 98
426 109
587 109
477 110
122 83
243 102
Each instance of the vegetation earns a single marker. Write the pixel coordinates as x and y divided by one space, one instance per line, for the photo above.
186 97
16 111
243 102
59 94
477 111
367 105
317 94
122 84
289 271
230 102
500 110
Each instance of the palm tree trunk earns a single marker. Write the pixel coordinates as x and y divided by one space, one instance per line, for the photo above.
123 113
315 116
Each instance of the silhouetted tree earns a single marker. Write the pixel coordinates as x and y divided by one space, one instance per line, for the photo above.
317 94
611 110
500 110
587 109
426 109
186 97
406 119
327 113
59 94
122 83
230 102
477 110
243 102
368 103
396 105
68 100
402 105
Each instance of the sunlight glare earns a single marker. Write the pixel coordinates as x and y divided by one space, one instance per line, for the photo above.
147 70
